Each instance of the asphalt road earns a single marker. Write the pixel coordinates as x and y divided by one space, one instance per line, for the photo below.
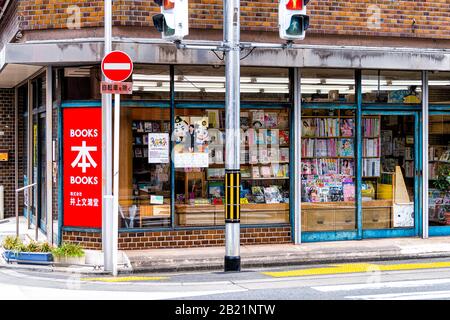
393 280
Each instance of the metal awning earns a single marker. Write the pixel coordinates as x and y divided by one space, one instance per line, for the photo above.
90 51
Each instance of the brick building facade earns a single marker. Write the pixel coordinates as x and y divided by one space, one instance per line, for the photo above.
353 36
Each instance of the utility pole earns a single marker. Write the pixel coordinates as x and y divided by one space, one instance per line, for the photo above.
232 127
110 263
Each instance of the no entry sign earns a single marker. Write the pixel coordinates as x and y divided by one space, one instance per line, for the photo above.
117 66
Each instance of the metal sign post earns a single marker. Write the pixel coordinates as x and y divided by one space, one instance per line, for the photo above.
115 213
107 152
232 127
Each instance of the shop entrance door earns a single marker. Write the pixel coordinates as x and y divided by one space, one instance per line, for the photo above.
390 153
39 171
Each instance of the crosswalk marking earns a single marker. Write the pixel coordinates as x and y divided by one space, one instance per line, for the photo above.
381 285
357 268
420 295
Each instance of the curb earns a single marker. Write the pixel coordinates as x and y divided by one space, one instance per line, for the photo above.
215 264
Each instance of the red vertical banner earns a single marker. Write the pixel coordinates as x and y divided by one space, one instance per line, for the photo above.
82 167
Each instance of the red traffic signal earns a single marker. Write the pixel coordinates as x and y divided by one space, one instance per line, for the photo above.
295 5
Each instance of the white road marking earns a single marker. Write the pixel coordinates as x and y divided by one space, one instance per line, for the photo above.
117 66
405 296
17 292
381 285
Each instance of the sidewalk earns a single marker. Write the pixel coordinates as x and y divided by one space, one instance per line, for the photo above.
212 258
94 258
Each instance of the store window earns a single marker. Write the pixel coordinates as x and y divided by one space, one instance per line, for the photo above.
328 170
145 188
328 85
199 158
439 169
388 171
439 87
401 87
151 82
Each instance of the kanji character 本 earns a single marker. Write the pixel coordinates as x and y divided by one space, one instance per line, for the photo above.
84 159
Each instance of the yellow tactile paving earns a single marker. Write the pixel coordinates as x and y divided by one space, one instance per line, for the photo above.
357 268
124 279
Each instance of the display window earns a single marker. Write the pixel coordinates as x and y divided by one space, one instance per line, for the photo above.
388 171
439 87
328 86
439 170
199 160
145 175
328 170
391 86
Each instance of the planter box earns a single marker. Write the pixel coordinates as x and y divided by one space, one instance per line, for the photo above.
70 260
28 257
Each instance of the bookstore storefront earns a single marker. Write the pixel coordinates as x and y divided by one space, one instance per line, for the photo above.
360 148
173 150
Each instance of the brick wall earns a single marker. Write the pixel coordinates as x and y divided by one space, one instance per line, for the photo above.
327 17
7 144
181 239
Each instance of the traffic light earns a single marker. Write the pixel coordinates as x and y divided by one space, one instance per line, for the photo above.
172 22
292 19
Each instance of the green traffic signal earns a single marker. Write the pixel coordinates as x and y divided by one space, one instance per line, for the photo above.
299 24
160 23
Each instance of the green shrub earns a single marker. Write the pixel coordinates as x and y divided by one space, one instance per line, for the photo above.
68 250
16 244
12 243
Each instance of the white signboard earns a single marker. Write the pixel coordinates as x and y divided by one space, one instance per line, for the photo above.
158 148
191 160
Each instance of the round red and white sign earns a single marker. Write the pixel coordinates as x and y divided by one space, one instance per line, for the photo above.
117 66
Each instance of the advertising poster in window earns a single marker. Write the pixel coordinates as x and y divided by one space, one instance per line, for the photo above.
158 148
191 138
82 165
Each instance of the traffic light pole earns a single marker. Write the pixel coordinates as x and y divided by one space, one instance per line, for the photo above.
232 127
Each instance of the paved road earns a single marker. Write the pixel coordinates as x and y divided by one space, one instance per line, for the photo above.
393 280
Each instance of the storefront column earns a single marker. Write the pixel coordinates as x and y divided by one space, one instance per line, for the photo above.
297 157
29 153
49 151
425 163
358 144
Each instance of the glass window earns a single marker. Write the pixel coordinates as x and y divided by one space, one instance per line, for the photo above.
199 158
265 84
328 170
328 85
388 172
382 86
439 87
439 169
151 82
145 196
200 83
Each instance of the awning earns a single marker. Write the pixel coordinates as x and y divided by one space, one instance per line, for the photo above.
72 53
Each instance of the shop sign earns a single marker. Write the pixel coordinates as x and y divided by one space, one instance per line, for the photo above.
116 87
82 167
158 148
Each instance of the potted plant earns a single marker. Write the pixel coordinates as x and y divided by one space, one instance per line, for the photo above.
69 253
31 253
442 183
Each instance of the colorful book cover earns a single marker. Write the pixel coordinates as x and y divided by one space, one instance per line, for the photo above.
245 172
255 172
253 154
274 154
284 154
266 172
347 127
346 148
271 120
347 167
263 154
308 128
349 191
261 137
216 189
283 137
245 120
258 119
273 136
272 194
258 194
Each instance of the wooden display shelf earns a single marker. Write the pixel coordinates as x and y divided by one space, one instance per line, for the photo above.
253 213
334 216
